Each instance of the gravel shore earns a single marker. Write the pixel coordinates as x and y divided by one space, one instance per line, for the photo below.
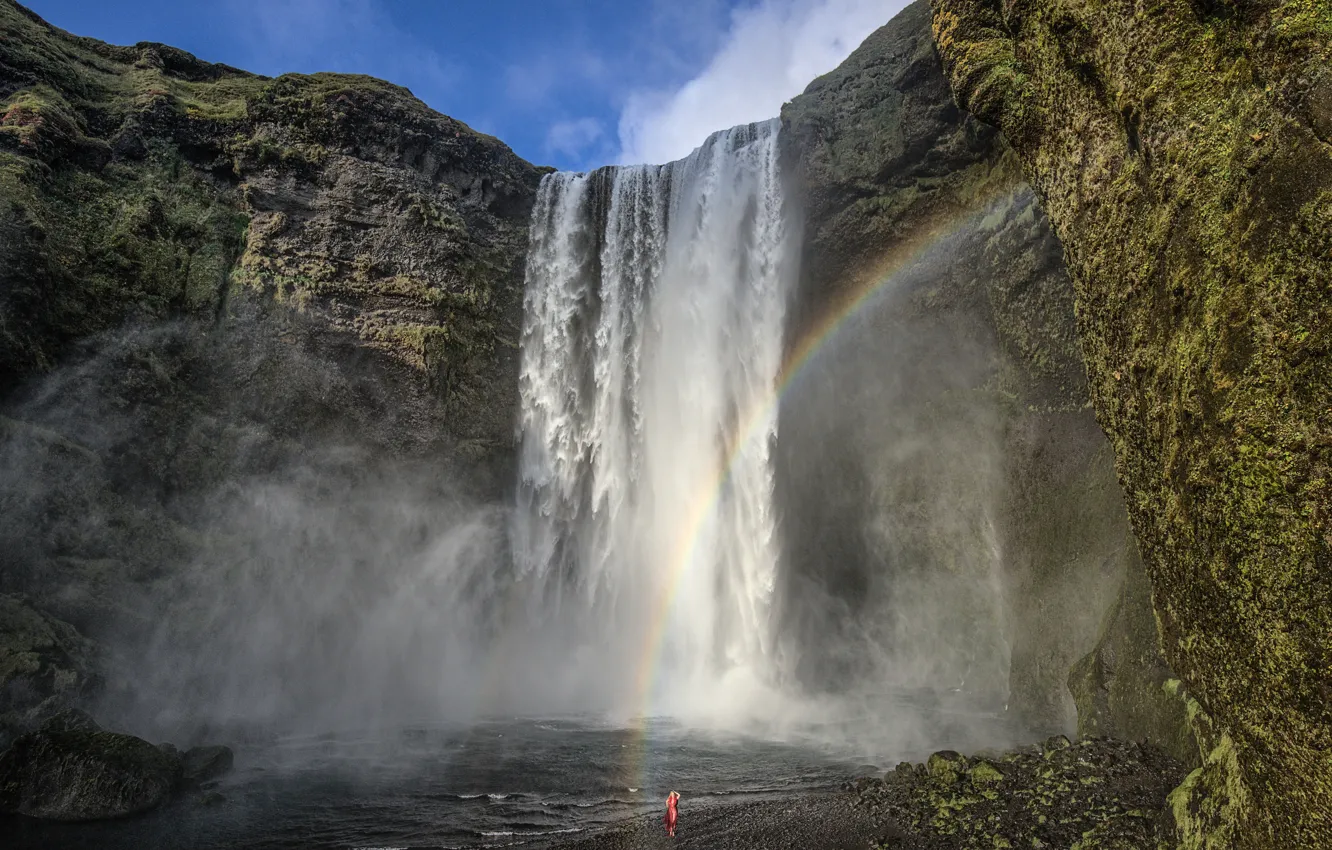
826 821
1095 792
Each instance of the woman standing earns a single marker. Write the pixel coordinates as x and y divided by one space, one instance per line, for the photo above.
672 800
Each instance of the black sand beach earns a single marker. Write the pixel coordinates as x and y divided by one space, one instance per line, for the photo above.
829 821
1092 793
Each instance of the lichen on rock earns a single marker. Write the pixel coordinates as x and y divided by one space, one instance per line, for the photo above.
1180 150
1095 794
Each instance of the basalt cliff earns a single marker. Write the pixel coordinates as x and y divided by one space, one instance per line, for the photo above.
213 284
1183 152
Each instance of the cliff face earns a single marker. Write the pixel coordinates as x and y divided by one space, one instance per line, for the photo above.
947 464
1184 153
135 180
226 301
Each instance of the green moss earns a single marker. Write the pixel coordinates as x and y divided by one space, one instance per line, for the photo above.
118 189
1094 794
436 216
154 239
1199 235
984 773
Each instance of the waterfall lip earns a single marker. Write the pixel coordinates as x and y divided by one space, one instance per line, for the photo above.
652 345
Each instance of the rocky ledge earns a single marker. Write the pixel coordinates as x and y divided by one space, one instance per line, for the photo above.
1094 794
73 770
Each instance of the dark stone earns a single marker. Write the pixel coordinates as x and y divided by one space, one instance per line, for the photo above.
129 145
82 774
45 664
1100 793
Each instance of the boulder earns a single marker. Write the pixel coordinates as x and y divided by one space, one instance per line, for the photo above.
946 766
71 771
984 773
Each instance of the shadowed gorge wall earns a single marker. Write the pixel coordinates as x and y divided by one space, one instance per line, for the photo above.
945 459
1183 152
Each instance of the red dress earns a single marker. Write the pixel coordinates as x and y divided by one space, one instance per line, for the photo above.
671 814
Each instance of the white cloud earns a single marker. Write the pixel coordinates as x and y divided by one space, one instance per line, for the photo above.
771 52
572 138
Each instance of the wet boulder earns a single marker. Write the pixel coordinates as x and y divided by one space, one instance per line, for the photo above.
71 770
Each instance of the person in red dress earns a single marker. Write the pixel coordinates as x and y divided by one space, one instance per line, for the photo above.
672 801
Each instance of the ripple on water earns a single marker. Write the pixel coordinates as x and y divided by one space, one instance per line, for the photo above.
497 784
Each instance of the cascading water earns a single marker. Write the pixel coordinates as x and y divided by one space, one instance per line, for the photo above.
656 299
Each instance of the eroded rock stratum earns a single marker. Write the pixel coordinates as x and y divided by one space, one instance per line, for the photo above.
1182 153
142 183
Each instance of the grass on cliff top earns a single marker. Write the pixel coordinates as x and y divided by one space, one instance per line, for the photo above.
116 82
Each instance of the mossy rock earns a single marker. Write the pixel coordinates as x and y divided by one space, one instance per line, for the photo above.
45 665
141 183
984 773
946 766
1181 151
84 774
1093 794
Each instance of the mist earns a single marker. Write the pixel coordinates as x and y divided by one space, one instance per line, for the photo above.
258 534
892 478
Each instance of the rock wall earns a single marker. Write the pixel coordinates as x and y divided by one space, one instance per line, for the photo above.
970 351
215 288
142 182
1183 151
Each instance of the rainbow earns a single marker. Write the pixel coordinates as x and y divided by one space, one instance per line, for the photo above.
795 363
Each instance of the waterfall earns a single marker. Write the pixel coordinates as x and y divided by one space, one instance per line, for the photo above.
651 348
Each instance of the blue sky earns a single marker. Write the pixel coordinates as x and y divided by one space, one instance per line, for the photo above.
569 83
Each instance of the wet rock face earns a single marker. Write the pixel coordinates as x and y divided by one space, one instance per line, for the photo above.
957 394
1095 793
1180 151
401 232
79 774
44 666
1122 688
